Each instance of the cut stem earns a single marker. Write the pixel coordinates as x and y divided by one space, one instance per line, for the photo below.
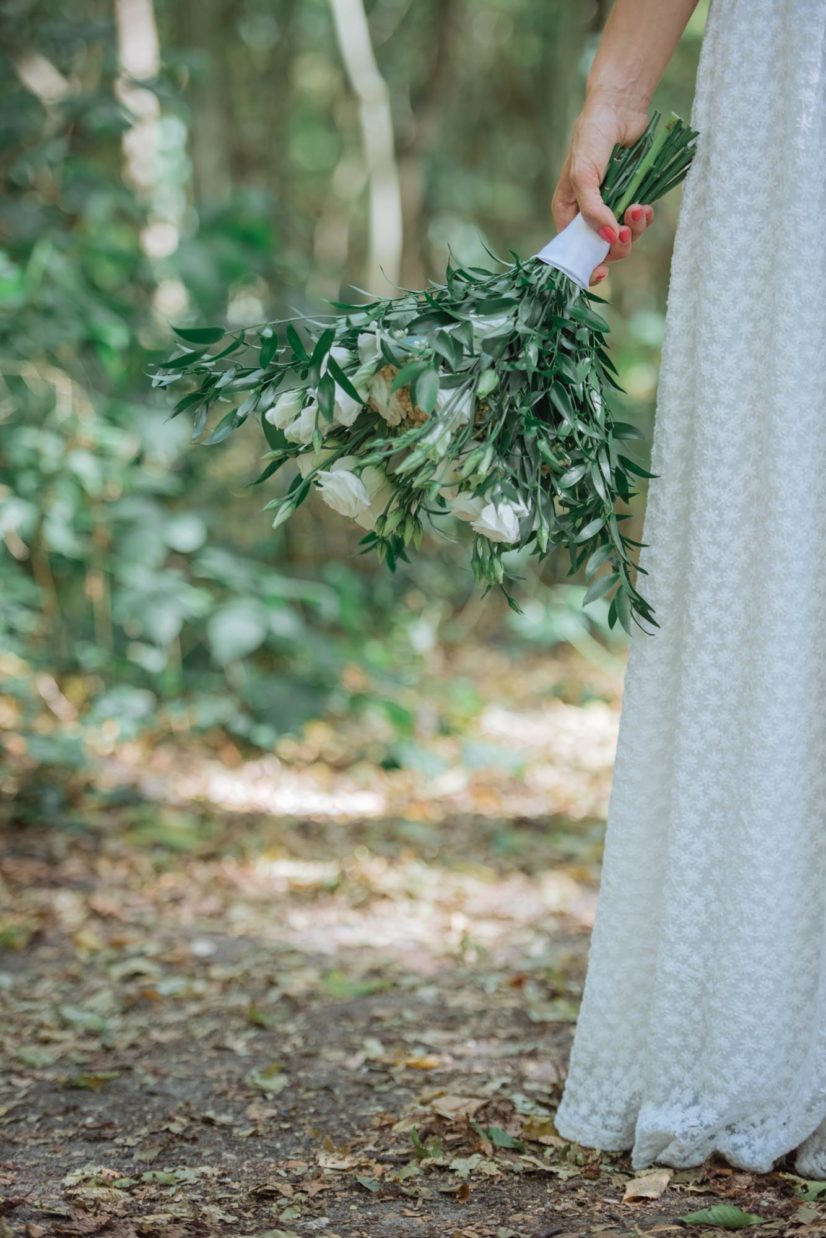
660 138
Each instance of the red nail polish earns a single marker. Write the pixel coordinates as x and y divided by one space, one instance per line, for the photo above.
625 235
608 234
600 278
636 213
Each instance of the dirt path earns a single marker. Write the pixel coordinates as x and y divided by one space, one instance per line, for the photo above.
224 1017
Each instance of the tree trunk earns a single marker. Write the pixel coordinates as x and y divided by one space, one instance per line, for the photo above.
385 228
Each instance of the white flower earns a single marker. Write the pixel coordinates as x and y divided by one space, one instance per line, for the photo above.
456 404
309 460
286 407
369 348
342 357
380 489
387 402
301 430
500 521
343 491
346 409
466 506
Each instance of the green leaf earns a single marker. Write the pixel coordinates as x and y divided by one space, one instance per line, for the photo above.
200 335
622 608
449 347
591 319
224 428
592 527
199 421
723 1216
408 374
624 429
321 349
295 343
327 396
226 378
343 381
573 475
426 388
561 401
813 1188
600 556
600 586
272 467
189 401
633 467
276 439
495 305
182 361
269 347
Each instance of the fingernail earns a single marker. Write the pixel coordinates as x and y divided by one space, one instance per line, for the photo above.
636 213
625 235
600 278
608 234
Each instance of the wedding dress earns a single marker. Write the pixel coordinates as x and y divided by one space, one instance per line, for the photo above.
703 1019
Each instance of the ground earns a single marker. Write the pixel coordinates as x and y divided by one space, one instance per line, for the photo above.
318 993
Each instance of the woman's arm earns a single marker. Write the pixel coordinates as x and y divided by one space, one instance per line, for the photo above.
637 43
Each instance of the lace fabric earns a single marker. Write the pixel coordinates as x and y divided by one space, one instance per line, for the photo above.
703 1019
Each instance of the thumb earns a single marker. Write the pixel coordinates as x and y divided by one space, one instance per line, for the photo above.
585 181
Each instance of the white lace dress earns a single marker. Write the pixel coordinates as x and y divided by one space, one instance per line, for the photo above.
703 1021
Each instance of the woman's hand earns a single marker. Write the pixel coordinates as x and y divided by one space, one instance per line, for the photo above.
601 123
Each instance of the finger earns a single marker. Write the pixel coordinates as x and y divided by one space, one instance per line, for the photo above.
598 274
585 179
622 246
636 219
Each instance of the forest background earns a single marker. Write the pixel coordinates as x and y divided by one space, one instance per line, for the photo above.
180 162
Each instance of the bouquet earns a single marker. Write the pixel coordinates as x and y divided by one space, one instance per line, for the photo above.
488 399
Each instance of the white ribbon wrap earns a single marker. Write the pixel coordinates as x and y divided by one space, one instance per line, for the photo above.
576 250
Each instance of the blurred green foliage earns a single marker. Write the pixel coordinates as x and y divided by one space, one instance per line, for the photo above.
139 583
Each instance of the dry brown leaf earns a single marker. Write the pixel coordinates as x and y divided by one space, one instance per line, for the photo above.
455 1107
648 1185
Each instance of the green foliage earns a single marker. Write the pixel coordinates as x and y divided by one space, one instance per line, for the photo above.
127 580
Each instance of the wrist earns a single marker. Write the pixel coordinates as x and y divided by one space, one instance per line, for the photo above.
626 98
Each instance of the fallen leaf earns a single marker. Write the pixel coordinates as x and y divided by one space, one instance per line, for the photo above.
724 1216
648 1185
454 1107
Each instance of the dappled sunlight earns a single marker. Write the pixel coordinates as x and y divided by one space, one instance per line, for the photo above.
521 752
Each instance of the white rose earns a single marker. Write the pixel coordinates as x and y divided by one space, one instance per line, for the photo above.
343 491
466 506
286 407
387 402
369 348
380 490
301 430
500 521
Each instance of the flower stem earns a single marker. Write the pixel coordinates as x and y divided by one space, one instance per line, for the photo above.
660 138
